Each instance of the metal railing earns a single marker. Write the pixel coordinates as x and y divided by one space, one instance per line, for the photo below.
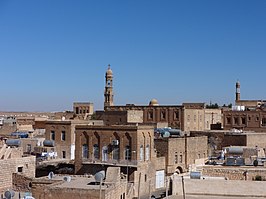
110 161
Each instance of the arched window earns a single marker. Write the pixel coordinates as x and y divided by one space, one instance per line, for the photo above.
104 153
127 153
52 135
85 151
96 151
147 152
116 152
150 115
141 155
163 115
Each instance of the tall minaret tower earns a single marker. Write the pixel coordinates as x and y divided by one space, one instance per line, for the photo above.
108 92
237 91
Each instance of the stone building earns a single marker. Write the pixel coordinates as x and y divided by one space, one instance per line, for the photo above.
218 139
193 116
13 161
248 139
246 120
152 113
196 117
8 124
188 116
129 147
62 132
212 117
122 117
83 110
247 115
28 144
180 152
114 185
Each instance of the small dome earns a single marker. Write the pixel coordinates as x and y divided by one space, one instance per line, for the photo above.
154 102
109 72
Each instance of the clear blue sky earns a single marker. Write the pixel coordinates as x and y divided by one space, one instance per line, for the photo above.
53 53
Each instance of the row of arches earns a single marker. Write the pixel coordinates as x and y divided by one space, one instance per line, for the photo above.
115 146
115 152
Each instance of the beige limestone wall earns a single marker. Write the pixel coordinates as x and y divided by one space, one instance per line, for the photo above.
256 139
234 173
212 116
219 187
10 166
194 119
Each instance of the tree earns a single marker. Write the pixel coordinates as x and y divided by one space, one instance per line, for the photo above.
212 106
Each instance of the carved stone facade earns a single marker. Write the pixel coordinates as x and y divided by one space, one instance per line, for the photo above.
63 135
151 114
129 147
248 120
187 117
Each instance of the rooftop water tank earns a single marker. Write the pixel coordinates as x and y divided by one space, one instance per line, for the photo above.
49 143
13 142
175 132
195 175
234 150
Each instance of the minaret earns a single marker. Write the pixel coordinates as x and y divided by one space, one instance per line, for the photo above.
237 91
108 92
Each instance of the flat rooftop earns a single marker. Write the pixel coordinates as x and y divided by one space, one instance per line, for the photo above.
76 182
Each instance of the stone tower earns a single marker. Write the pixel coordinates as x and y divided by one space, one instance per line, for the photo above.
237 91
108 92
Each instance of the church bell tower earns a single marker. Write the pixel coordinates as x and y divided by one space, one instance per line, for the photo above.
108 91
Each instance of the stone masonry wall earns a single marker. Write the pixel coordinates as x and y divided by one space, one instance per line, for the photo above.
9 166
234 173
216 187
21 183
46 189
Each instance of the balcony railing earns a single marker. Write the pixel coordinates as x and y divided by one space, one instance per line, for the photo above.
110 161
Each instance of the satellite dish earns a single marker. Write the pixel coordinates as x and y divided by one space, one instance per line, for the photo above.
9 194
51 175
67 178
99 176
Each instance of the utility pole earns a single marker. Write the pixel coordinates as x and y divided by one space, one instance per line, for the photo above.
127 150
149 188
101 181
186 151
139 186
166 191
183 187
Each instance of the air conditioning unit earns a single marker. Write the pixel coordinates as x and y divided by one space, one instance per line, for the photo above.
115 142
